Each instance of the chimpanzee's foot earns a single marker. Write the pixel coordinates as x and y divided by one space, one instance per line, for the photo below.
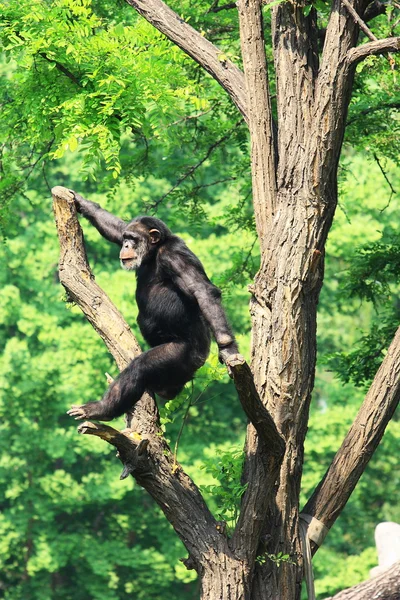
91 410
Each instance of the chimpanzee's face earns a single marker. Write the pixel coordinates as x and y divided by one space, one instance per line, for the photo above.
137 243
134 248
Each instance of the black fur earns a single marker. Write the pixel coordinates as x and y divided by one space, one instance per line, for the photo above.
178 305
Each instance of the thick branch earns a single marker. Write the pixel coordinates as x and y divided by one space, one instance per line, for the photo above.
253 407
363 438
385 586
264 456
358 54
335 82
142 449
259 114
197 47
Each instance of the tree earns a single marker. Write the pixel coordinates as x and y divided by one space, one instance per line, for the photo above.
294 167
294 158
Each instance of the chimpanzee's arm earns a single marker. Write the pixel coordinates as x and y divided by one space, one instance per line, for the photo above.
189 275
108 225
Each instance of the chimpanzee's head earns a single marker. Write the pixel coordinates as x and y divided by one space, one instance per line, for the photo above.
141 239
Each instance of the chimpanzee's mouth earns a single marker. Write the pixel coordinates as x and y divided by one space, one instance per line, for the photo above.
129 264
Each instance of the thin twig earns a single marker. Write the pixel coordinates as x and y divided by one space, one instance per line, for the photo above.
214 8
178 439
60 67
196 116
193 168
200 186
245 262
392 190
185 416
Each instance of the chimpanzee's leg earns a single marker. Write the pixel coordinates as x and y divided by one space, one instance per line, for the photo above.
165 368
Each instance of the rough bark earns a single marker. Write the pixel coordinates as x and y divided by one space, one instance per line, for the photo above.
78 280
259 113
372 48
253 407
385 586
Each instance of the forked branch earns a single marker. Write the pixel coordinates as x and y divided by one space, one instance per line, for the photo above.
362 25
264 455
376 47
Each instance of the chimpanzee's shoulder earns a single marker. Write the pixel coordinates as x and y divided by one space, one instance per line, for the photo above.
175 254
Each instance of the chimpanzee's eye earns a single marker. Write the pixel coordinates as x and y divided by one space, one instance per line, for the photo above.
131 238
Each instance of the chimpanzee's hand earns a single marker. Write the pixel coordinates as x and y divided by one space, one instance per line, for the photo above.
78 412
78 201
91 410
227 351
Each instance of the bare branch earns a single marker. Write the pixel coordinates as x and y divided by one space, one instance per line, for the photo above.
331 495
362 25
253 407
78 280
373 10
259 114
358 54
214 8
197 47
264 455
131 448
386 586
60 67
382 170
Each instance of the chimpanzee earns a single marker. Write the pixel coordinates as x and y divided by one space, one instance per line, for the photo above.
178 306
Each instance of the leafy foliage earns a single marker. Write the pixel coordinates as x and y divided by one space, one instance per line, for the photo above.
226 468
373 269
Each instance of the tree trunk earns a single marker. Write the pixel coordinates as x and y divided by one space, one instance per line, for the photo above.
224 578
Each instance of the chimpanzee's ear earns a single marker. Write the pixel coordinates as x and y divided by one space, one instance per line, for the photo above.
155 236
